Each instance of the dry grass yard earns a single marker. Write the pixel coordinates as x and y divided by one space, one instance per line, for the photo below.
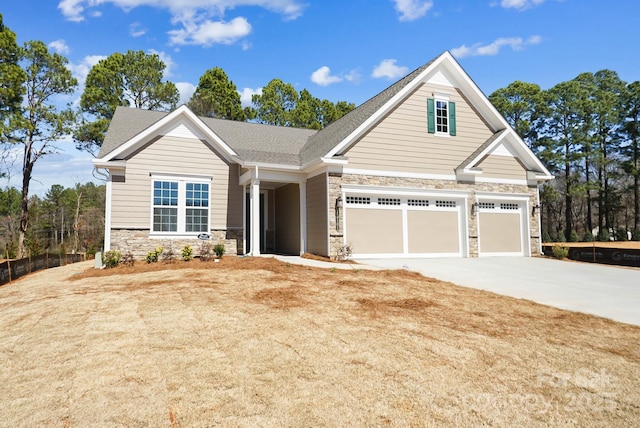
256 342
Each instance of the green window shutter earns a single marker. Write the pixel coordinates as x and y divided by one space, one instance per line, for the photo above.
431 116
452 118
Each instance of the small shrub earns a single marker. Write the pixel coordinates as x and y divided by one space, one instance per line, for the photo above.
168 254
588 236
111 258
187 253
219 250
127 259
603 235
153 255
573 237
621 234
205 252
344 252
560 252
546 237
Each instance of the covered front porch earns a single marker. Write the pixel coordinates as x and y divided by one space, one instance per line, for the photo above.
274 212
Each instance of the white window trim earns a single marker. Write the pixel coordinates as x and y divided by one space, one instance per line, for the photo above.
445 100
182 181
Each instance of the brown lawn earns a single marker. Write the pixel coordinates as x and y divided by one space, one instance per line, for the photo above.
256 342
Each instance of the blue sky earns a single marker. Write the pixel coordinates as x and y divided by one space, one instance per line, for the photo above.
337 49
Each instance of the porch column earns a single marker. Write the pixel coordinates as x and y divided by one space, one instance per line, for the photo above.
255 217
303 218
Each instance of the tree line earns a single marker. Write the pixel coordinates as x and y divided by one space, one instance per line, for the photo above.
34 82
66 219
586 131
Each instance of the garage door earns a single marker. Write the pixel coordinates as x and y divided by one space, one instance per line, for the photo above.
500 228
381 226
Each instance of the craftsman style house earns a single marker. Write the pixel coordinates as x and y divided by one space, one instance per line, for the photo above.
426 168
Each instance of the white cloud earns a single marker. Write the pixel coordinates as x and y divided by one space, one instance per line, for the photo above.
410 10
246 94
82 68
59 46
168 62
520 4
186 90
478 49
136 30
352 76
323 77
209 32
388 69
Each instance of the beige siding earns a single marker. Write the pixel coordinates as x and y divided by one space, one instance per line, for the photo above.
400 141
506 167
433 232
374 231
317 224
500 233
234 199
287 219
131 200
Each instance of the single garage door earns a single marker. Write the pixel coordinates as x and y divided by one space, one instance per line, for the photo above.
500 228
404 226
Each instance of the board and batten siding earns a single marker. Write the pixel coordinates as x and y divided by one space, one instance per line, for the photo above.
317 209
400 141
507 167
131 199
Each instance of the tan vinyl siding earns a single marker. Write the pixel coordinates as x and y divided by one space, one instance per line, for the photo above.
317 222
234 199
433 232
506 167
400 141
500 233
131 200
374 231
287 221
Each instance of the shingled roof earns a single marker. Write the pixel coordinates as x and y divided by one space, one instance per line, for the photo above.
262 143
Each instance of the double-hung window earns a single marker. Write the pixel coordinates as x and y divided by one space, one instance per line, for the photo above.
441 116
180 205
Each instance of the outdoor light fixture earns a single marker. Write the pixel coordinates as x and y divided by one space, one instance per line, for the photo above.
535 210
337 209
474 208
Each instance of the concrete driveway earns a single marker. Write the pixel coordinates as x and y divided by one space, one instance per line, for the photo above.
606 291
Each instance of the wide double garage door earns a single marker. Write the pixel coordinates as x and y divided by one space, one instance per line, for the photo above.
381 226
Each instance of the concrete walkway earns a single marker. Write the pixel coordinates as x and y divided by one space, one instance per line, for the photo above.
607 291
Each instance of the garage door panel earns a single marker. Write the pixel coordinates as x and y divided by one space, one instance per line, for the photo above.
433 231
374 231
500 233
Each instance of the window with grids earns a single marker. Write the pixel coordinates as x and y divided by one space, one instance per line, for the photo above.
165 206
506 206
486 205
446 204
388 201
180 206
442 116
358 200
418 202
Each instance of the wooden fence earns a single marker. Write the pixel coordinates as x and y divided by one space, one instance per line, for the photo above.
11 270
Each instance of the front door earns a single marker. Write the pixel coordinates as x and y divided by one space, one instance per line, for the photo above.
247 222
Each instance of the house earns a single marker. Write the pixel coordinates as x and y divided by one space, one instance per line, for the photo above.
426 168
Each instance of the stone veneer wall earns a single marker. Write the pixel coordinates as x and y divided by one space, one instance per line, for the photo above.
336 180
138 242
